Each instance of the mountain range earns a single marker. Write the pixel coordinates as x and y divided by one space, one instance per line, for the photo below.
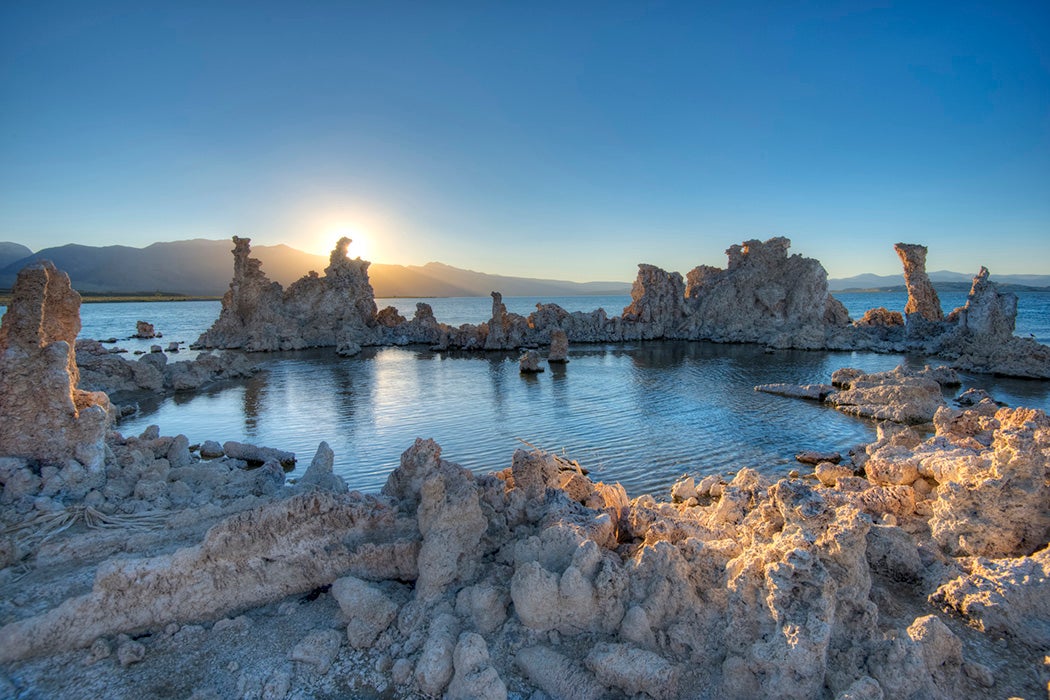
943 280
201 267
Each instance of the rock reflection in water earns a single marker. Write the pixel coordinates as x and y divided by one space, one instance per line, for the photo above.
641 413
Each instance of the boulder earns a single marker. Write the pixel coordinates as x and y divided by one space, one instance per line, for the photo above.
319 474
43 414
880 317
144 330
529 362
367 609
559 350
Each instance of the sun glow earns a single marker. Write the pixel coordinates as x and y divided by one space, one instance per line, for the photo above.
360 241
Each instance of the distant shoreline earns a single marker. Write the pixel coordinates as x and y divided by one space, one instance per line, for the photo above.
942 288
92 298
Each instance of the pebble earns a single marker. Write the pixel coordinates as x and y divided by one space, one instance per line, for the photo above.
100 649
979 673
130 652
277 685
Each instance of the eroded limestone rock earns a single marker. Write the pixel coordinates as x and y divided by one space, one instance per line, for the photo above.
337 309
42 413
922 297
1004 596
270 552
763 296
899 395
559 350
765 587
101 370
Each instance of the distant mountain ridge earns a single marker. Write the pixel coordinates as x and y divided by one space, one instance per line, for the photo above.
201 267
12 252
944 280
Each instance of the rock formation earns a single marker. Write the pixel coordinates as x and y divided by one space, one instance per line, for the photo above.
453 584
335 310
505 331
529 362
559 350
656 308
537 577
101 370
144 329
900 395
980 337
988 312
43 416
922 297
763 296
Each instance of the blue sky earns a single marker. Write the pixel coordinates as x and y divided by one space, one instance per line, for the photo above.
565 140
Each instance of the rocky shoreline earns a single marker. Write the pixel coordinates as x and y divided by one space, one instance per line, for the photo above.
763 296
137 566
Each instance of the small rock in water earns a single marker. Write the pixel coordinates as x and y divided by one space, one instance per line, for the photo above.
173 347
559 351
256 455
529 363
972 397
211 450
144 329
814 458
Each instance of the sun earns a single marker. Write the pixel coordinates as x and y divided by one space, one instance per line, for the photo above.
360 244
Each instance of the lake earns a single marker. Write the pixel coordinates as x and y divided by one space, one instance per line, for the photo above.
639 413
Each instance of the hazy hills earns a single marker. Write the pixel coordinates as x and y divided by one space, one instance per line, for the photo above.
943 280
203 268
12 252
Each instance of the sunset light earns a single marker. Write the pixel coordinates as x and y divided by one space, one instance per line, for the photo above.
602 349
359 248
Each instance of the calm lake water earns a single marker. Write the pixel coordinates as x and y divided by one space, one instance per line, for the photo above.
641 414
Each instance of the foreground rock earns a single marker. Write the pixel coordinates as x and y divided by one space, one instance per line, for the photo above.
538 577
43 415
531 578
912 397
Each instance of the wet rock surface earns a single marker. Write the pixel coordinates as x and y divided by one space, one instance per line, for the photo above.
101 370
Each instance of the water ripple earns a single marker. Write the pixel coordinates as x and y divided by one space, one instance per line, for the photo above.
641 414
